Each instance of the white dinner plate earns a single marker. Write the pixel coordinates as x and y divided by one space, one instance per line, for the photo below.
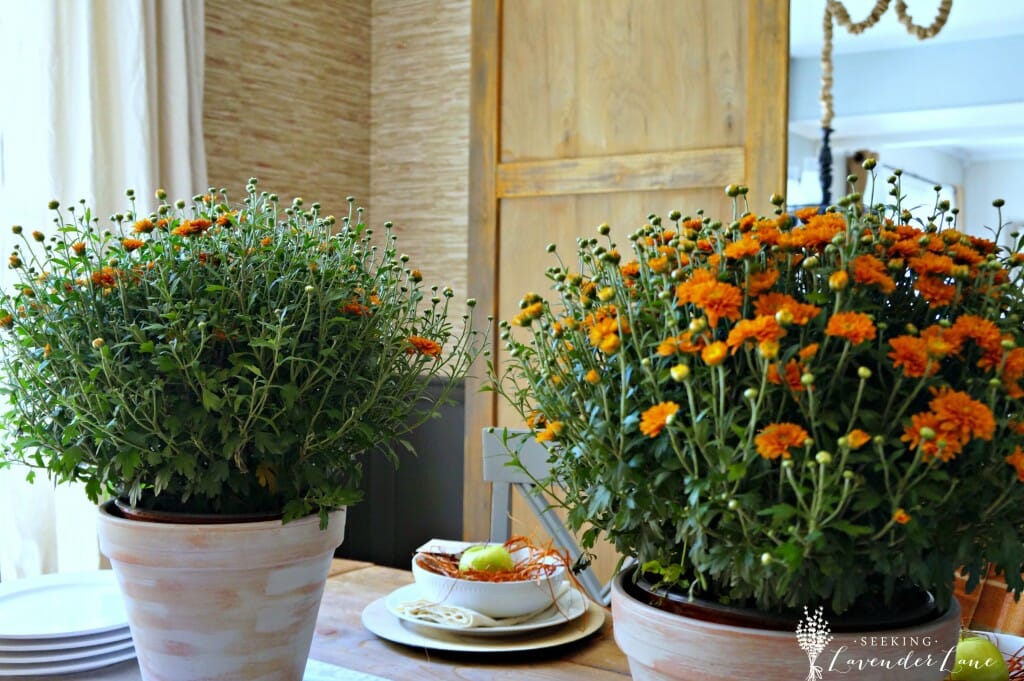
15 645
572 604
68 666
39 656
61 605
378 620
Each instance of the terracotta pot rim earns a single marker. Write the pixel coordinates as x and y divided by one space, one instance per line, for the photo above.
628 600
122 509
110 514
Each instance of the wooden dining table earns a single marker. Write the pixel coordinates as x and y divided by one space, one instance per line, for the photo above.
342 640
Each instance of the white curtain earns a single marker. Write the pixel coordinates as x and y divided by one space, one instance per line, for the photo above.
96 96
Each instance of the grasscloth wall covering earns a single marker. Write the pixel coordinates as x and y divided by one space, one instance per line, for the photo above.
419 147
349 97
287 90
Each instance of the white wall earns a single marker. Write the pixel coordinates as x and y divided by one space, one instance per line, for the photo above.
990 180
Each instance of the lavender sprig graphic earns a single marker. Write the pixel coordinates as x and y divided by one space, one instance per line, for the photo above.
813 634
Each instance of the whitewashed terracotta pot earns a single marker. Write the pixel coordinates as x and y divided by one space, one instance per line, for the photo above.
224 602
662 645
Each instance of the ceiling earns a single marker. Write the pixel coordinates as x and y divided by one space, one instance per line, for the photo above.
994 133
968 20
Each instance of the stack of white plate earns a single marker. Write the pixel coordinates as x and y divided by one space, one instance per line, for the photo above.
63 623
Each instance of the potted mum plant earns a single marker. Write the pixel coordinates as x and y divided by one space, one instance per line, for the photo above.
802 421
213 370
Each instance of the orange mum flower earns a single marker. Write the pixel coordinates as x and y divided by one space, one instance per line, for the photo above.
686 291
791 377
631 270
855 327
935 291
192 227
762 329
808 351
550 432
423 346
604 333
715 353
682 343
1017 461
805 214
355 308
962 416
870 271
106 277
911 353
901 516
983 332
78 247
857 438
930 264
717 300
744 248
935 445
143 226
654 419
767 233
776 439
965 255
1013 372
658 265
132 244
771 303
936 344
818 232
529 313
759 282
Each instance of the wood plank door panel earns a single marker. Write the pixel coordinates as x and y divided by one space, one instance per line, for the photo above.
591 111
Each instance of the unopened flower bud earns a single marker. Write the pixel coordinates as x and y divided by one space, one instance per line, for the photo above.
784 317
864 373
807 379
838 280
98 343
999 203
750 394
732 190
766 558
680 372
823 457
926 433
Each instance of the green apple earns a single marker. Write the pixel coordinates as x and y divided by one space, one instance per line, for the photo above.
492 557
978 659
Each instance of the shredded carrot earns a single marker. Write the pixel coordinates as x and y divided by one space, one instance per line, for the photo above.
1015 663
539 563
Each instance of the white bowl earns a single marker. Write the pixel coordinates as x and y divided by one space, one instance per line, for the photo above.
494 599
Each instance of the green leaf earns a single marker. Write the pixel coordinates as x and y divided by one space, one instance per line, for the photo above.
211 402
779 511
851 529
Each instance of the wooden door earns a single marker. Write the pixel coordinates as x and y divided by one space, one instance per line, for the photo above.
591 111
